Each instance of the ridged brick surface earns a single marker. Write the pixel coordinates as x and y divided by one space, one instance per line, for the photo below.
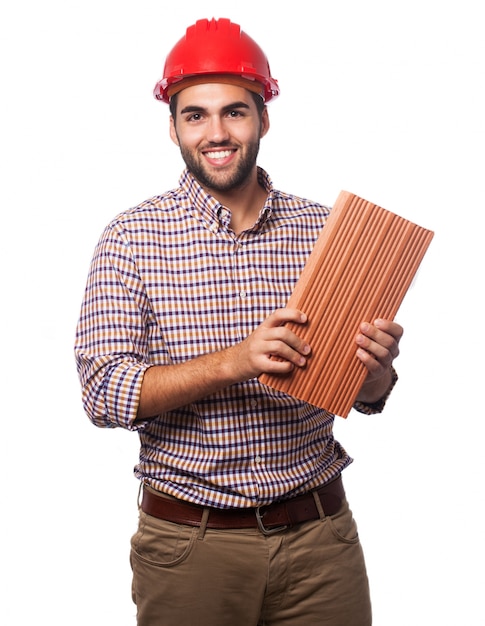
360 269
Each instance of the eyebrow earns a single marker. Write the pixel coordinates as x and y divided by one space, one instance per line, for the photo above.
229 107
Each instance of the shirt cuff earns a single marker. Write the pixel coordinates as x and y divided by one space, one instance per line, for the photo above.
371 408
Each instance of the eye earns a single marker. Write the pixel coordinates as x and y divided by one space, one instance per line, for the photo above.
235 113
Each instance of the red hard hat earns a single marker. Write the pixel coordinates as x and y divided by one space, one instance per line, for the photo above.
215 47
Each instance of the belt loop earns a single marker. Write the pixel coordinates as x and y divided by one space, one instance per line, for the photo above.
139 498
318 504
203 523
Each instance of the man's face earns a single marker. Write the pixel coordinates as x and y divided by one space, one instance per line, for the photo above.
218 129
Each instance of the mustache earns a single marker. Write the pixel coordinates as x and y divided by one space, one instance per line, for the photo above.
218 144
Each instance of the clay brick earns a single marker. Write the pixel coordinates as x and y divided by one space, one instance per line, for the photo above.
360 269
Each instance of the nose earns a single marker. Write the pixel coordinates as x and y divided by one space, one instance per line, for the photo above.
217 131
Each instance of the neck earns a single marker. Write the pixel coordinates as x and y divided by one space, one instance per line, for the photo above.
245 210
245 203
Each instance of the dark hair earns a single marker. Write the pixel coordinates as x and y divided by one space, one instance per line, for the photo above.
256 97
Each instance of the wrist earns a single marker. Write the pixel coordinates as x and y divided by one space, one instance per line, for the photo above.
372 398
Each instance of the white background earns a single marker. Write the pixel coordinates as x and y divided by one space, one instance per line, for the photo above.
384 99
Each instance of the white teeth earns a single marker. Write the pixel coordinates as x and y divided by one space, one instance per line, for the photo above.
219 154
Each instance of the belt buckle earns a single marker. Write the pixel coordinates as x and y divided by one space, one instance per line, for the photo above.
261 526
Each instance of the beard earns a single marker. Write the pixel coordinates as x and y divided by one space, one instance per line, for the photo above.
222 180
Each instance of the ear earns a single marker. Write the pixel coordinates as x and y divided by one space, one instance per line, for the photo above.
264 122
173 132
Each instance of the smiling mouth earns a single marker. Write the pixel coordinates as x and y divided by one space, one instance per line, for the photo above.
219 154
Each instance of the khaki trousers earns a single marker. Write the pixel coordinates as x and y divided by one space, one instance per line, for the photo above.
308 575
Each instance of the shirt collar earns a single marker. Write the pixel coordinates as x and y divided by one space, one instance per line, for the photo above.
211 212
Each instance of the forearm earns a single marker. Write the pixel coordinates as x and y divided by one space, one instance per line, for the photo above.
167 387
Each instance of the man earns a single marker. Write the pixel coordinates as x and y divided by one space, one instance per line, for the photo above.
243 518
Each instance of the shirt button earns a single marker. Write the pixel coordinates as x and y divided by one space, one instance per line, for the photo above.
254 403
258 459
242 294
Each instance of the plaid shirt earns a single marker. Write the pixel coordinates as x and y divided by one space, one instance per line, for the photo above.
170 280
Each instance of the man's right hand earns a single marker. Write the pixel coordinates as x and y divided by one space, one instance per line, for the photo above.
272 348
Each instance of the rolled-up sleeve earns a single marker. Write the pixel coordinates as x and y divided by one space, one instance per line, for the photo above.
111 347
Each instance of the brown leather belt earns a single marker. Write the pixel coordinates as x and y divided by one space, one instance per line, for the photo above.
269 519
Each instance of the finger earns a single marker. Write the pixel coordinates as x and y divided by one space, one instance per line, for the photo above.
379 342
371 350
284 316
283 343
389 327
373 365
